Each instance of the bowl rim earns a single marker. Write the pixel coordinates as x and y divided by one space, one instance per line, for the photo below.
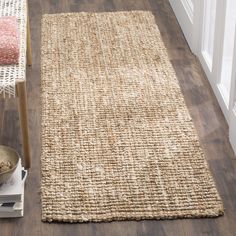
17 154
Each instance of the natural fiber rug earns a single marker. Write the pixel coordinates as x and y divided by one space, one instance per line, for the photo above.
118 142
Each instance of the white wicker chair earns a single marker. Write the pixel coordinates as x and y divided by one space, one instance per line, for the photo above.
13 77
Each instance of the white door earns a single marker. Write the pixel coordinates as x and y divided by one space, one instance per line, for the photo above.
210 32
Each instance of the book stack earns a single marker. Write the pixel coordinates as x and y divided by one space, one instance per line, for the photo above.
12 194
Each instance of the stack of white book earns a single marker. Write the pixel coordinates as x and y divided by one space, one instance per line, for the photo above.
12 194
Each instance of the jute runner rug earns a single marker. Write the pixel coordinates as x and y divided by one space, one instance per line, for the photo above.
118 142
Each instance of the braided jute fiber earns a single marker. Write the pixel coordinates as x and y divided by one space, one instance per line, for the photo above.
118 142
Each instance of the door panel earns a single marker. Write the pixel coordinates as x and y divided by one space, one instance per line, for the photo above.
228 49
208 33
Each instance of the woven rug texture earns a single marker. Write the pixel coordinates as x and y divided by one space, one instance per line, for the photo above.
118 142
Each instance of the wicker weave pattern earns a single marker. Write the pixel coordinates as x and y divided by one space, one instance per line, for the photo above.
117 139
9 74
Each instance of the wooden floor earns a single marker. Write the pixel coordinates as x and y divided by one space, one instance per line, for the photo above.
208 118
